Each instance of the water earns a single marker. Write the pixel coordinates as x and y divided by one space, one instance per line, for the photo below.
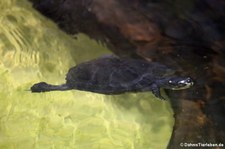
33 49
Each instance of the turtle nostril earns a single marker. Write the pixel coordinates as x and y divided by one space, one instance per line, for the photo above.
189 80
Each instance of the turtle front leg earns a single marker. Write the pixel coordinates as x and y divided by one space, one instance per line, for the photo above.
156 91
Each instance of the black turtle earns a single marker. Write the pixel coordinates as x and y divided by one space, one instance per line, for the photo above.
113 75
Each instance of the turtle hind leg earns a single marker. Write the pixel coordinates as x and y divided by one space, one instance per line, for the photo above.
156 91
45 87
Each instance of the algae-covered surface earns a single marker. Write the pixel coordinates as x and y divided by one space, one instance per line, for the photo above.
33 49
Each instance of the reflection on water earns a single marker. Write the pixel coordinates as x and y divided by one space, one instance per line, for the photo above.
32 49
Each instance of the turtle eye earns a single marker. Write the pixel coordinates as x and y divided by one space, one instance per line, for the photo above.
170 81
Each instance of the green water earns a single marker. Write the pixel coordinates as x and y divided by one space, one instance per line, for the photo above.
33 49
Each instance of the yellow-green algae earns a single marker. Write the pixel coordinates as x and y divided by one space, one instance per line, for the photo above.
33 49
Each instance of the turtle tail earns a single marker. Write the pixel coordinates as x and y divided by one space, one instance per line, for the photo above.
45 87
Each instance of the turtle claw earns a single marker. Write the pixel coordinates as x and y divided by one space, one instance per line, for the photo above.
162 98
159 96
156 91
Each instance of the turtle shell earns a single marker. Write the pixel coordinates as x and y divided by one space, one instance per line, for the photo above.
115 75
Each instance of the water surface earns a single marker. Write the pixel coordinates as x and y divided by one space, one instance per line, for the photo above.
33 49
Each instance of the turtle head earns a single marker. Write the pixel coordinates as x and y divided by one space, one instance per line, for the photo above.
40 87
176 83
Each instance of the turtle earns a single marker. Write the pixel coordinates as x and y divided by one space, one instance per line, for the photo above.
113 75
